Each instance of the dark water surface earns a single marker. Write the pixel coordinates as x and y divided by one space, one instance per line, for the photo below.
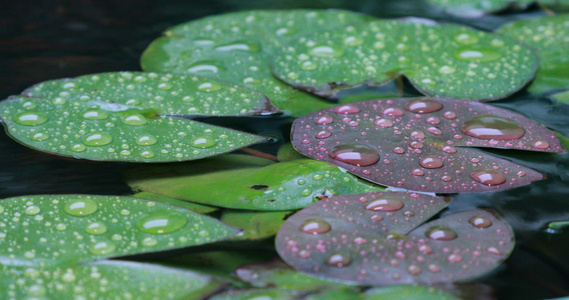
42 40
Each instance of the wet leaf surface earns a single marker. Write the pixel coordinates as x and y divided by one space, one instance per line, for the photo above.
439 60
255 224
256 294
199 208
68 229
131 116
378 239
104 280
472 8
549 37
421 143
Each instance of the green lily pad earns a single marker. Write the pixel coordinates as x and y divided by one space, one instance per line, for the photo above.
104 280
440 60
131 116
281 186
236 47
255 224
68 229
474 8
549 37
199 208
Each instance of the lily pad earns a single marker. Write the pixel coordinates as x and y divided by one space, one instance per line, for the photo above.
281 186
131 116
255 224
440 60
105 280
236 47
199 208
549 37
474 8
69 229
420 143
375 239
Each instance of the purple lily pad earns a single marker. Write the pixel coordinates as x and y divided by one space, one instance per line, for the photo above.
420 143
364 239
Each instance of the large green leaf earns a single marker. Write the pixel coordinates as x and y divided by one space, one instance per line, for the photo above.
440 60
549 37
68 229
236 47
199 208
472 8
104 280
131 116
281 186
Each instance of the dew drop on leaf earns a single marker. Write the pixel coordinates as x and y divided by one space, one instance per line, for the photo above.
492 127
488 177
355 154
441 233
161 223
385 204
81 207
315 226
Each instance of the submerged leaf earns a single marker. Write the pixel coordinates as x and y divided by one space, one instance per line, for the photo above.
373 239
440 60
131 116
255 224
68 229
420 143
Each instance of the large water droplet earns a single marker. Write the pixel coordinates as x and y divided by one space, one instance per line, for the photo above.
492 127
315 226
441 233
489 177
102 248
32 210
81 207
347 109
96 228
480 222
202 142
95 114
423 106
431 162
339 260
385 204
540 144
161 223
326 51
392 111
209 86
134 120
30 118
40 136
206 67
355 154
146 140
470 53
97 139
323 120
240 46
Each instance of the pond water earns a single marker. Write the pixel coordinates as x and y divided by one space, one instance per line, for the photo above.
63 39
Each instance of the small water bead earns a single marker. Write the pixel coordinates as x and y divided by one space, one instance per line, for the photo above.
392 111
102 248
206 67
308 65
417 135
416 145
96 228
315 226
521 173
398 150
449 115
418 172
479 54
489 177
384 123
353 41
449 149
134 120
97 139
493 250
209 86
203 142
431 162
355 154
423 106
433 120
78 148
81 207
95 114
480 222
347 109
414 270
306 192
454 258
323 134
446 70
466 38
149 241
146 140
492 127
161 223
441 233
40 136
434 130
326 51
339 260
240 46
325 119
30 118
540 144
32 210
385 204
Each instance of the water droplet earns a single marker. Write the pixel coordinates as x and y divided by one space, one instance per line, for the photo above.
493 250
161 223
492 127
32 210
434 130
81 207
102 248
326 51
434 268
68 276
384 123
392 111
449 115
449 149
355 154
540 144
480 222
134 120
251 80
30 118
203 142
323 134
339 260
96 228
308 65
240 46
149 241
323 120
416 145
398 150
146 140
206 67
454 258
417 135
385 204
489 177
414 270
466 38
418 172
40 136
433 120
95 114
347 109
431 162
441 233
447 70
209 86
97 139
423 106
470 53
78 148
315 226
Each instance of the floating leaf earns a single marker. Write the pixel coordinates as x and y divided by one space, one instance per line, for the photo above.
236 47
474 8
549 37
131 116
373 239
255 224
282 186
199 208
104 280
418 143
68 229
440 60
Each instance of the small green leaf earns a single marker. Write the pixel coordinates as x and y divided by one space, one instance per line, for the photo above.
281 186
440 60
104 280
548 37
131 116
199 208
255 224
68 229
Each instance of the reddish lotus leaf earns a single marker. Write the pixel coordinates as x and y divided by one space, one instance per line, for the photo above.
380 247
419 143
